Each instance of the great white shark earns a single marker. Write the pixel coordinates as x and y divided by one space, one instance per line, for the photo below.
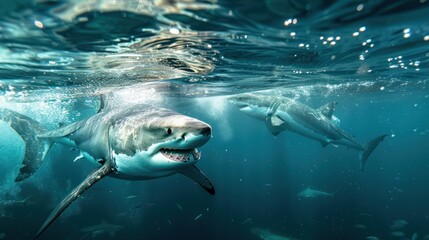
266 234
100 229
313 193
135 142
281 114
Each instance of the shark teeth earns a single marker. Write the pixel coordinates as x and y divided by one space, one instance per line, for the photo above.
196 154
180 155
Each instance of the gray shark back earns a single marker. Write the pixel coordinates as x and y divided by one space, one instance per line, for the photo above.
92 134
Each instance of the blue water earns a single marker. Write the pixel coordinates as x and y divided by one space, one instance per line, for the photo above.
57 57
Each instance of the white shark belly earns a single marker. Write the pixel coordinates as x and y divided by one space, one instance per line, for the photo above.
256 112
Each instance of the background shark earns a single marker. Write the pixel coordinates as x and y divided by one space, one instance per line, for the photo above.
266 234
100 229
17 202
134 142
281 113
313 193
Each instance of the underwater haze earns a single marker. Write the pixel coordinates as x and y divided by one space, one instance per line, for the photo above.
278 172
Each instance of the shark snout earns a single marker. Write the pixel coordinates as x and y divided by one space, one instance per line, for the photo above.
206 131
198 136
198 128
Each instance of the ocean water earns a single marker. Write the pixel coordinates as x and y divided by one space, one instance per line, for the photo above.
371 57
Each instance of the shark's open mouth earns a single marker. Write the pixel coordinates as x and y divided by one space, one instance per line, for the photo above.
180 155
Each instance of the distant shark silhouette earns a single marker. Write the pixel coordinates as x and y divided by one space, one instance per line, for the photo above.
134 142
101 228
267 235
281 113
313 193
16 202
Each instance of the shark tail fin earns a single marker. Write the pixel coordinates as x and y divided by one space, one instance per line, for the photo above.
369 148
36 148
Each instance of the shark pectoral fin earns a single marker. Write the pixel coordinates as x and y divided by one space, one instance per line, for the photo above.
195 174
275 124
328 109
87 183
369 148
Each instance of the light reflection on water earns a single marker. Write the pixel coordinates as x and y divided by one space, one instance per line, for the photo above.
94 46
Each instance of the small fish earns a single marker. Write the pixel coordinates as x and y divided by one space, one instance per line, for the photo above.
169 221
415 236
398 234
137 206
2 235
131 196
179 207
398 224
246 221
372 238
360 226
198 217
133 210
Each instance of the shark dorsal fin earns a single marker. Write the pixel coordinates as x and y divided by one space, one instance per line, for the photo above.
104 103
328 109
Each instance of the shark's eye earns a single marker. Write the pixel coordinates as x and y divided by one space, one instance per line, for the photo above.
169 131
